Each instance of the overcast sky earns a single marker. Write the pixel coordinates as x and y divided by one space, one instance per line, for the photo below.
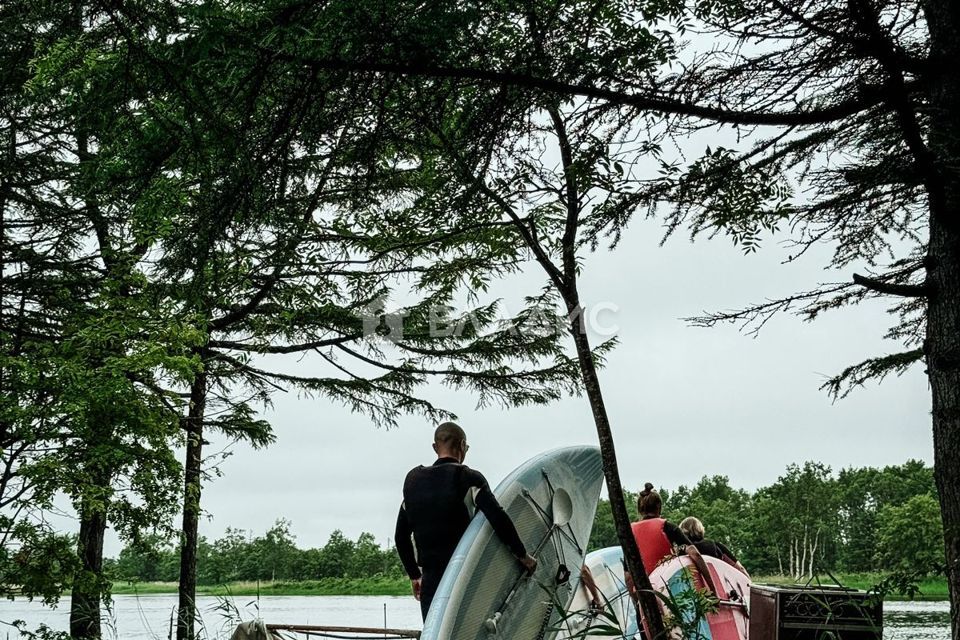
684 402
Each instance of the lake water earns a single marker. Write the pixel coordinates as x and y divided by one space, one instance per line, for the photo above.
150 617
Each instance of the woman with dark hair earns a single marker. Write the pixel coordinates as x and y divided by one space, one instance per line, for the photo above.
655 536
659 539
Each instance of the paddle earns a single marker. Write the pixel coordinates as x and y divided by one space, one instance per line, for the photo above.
562 512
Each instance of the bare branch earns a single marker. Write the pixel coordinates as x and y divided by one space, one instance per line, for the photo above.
893 289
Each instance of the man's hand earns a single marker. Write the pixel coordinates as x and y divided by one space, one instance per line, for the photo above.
631 588
416 589
529 564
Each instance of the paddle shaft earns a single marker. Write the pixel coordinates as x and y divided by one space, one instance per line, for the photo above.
523 572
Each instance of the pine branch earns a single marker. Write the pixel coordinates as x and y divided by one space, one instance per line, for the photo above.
839 111
924 290
877 369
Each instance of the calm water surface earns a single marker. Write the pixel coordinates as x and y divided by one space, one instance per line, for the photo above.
150 617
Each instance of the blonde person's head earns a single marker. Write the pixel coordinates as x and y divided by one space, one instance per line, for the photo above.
693 528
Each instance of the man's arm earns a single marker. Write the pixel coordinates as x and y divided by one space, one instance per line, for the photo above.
694 554
586 579
731 559
404 538
725 551
499 520
675 535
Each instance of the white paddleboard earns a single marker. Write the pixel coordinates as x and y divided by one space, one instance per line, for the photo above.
483 596
606 566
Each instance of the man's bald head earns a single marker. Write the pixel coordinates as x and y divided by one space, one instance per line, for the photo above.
449 433
449 440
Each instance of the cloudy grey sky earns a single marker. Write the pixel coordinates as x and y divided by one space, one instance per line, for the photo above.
684 401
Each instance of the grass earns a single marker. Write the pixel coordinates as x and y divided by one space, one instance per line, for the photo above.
931 588
325 587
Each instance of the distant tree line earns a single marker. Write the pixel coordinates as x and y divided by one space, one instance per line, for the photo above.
239 556
809 521
812 520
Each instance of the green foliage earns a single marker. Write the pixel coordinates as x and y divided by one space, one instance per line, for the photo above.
687 609
43 632
604 533
189 201
713 500
801 509
910 535
204 186
812 521
922 584
862 495
270 558
734 197
41 564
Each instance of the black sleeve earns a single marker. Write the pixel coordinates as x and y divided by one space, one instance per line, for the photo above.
674 534
726 551
499 520
404 538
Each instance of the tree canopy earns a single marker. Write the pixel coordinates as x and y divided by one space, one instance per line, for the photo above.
192 190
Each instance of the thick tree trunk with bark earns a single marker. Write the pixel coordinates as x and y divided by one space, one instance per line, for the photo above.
943 367
193 425
942 346
88 583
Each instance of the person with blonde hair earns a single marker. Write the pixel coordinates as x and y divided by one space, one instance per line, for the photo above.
695 532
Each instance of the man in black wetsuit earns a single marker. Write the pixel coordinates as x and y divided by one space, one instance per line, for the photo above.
436 510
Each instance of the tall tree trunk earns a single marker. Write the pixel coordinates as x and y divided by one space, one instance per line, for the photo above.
565 282
943 367
813 552
87 589
790 558
793 557
88 583
193 425
611 472
942 346
802 565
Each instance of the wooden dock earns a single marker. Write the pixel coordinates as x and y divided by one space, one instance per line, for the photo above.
261 631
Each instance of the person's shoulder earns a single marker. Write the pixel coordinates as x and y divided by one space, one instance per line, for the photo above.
417 470
472 474
652 522
723 548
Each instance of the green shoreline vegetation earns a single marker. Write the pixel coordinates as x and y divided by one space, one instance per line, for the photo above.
376 586
870 526
931 588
